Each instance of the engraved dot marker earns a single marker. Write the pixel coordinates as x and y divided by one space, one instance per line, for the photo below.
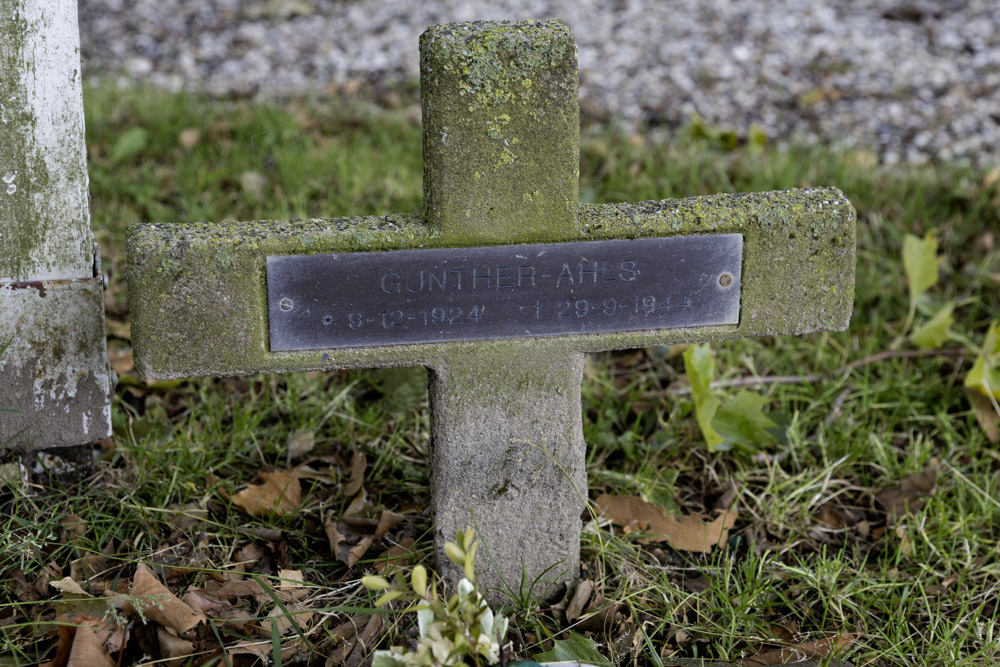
726 279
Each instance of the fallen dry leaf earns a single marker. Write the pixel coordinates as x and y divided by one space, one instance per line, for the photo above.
235 619
306 471
10 474
75 527
597 615
986 414
68 587
179 558
262 648
87 650
159 604
82 641
359 505
298 615
22 589
121 361
395 556
581 596
228 592
247 557
292 584
93 564
189 137
77 602
794 654
187 516
172 646
784 633
359 635
689 533
910 495
300 444
279 494
356 476
352 536
195 599
830 517
345 551
267 534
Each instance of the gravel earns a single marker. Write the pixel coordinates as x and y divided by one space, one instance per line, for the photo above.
911 80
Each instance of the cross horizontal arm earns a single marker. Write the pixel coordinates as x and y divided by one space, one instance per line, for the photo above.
199 302
798 252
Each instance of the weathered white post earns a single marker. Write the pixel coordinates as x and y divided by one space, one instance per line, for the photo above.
54 371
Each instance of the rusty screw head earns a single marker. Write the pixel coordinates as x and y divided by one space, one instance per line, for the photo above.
726 279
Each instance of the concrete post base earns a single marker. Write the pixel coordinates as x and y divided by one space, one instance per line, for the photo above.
509 459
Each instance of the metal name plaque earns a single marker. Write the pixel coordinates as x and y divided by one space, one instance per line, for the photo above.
396 297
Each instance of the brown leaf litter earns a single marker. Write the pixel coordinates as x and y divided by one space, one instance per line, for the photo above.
299 444
82 643
358 636
987 414
911 494
280 494
352 536
589 611
356 475
396 556
790 655
694 532
154 601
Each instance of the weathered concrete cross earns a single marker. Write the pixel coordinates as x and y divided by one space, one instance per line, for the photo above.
500 287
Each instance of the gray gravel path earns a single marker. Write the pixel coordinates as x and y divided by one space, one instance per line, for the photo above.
911 80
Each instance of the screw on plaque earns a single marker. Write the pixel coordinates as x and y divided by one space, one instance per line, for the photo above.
726 279
286 304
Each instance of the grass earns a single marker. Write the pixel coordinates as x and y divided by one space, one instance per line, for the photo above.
812 550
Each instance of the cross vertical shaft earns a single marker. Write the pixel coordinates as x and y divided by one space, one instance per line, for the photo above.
509 459
501 125
501 165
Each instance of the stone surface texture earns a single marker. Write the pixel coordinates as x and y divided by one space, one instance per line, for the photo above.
492 94
509 458
54 375
54 372
44 206
909 80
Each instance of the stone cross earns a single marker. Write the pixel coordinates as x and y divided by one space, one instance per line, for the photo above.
54 373
499 287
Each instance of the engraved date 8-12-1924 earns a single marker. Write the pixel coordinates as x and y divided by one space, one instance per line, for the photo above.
442 294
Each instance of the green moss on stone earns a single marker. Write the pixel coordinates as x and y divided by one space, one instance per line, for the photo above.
500 119
44 218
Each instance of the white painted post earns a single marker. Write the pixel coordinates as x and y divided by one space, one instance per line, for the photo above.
54 372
